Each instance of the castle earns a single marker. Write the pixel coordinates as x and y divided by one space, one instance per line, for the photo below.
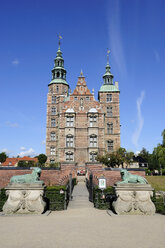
79 127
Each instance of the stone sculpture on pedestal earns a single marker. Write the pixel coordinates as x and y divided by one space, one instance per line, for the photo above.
133 195
25 194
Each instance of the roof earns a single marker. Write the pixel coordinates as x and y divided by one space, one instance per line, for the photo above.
58 81
14 161
108 88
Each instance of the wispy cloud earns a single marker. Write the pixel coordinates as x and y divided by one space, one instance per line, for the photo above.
13 125
15 62
29 152
140 122
22 148
114 32
157 56
6 151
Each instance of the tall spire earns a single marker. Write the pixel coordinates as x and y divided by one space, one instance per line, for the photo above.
108 77
59 72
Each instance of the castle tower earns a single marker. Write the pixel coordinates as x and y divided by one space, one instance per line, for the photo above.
58 92
108 96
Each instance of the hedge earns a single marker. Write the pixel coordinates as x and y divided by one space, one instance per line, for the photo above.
99 197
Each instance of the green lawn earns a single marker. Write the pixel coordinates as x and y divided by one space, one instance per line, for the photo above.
157 182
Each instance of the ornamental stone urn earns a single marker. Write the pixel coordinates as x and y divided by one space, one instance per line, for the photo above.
25 194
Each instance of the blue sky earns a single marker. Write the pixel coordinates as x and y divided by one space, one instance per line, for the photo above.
133 31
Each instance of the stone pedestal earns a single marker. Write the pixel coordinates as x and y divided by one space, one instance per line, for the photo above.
133 199
24 198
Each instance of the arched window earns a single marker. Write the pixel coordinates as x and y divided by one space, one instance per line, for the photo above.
110 145
92 156
109 112
53 111
53 99
52 150
69 141
109 128
109 97
52 136
69 156
93 140
58 74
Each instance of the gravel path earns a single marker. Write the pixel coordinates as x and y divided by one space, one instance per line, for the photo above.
82 226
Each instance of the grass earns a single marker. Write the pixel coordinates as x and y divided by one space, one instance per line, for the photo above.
157 182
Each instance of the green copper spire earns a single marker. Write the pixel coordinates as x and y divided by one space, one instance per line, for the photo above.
108 77
108 85
59 72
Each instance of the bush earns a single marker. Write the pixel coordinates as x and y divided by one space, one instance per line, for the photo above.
54 165
159 204
3 198
148 172
99 197
56 197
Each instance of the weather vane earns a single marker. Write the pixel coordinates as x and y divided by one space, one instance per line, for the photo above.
59 38
108 52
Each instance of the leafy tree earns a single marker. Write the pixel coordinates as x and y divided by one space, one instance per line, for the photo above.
129 157
3 157
163 134
22 163
42 158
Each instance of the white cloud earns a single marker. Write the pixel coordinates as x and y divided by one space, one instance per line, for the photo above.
13 125
29 152
6 151
157 56
15 62
43 142
22 148
116 44
136 134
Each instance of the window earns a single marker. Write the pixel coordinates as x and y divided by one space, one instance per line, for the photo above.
75 98
109 128
52 136
110 145
53 122
53 111
69 156
92 156
52 161
109 97
109 111
53 99
92 120
87 98
69 121
93 140
69 141
57 89
52 150
58 74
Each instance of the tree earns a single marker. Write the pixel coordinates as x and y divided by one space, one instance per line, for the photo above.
42 158
163 134
129 157
3 157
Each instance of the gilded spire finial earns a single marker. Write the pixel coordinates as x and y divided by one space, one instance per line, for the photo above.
81 73
59 39
108 52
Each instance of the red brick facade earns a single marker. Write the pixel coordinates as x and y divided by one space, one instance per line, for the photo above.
78 126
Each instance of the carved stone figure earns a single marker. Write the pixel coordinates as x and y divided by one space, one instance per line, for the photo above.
25 194
133 199
130 178
34 177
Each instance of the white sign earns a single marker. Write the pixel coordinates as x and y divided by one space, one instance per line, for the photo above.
102 183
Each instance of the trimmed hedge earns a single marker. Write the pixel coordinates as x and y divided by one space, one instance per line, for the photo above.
99 197
3 198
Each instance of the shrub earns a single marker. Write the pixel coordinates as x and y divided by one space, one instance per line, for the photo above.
99 197
3 198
